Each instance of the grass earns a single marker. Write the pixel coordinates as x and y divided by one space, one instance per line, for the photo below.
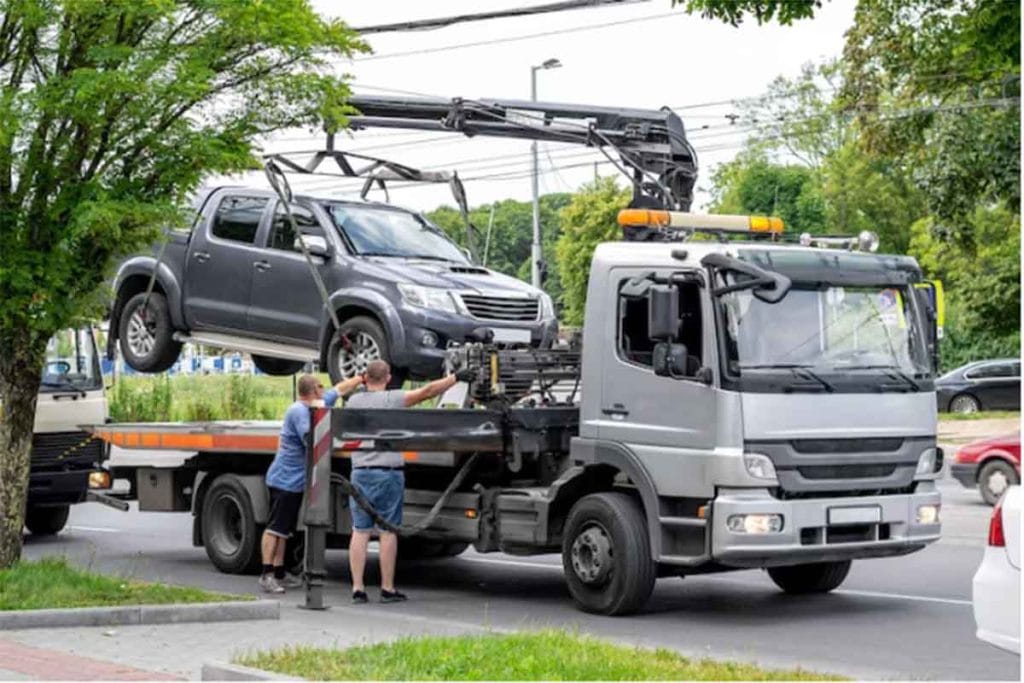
980 415
537 655
52 583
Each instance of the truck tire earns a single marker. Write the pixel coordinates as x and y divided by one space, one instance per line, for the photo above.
424 549
146 335
818 577
606 554
230 533
278 367
295 553
994 477
46 521
367 342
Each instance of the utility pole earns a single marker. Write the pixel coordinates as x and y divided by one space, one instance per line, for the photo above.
535 249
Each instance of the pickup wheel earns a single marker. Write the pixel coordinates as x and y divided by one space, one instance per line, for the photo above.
276 366
146 334
46 521
230 533
818 577
606 554
366 342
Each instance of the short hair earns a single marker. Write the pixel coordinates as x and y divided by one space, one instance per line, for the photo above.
307 385
377 371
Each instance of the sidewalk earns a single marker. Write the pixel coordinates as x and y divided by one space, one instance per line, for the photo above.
24 663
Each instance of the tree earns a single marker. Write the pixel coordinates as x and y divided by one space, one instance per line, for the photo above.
733 11
111 112
589 219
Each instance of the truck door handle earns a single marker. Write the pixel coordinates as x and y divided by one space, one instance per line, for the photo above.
262 265
616 409
201 256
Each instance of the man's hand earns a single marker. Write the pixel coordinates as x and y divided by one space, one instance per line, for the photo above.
465 375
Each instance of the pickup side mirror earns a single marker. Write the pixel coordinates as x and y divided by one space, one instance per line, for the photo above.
663 313
316 245
670 359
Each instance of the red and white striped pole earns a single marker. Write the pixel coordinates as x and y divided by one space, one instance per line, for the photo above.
317 511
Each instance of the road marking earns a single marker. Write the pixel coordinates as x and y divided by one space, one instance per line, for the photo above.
101 529
867 594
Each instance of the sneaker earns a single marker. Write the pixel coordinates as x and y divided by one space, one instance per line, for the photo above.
270 585
392 596
359 597
292 581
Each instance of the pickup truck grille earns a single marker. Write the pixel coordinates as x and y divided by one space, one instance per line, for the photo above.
506 309
57 450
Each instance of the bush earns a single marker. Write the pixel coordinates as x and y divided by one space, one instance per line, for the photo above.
150 400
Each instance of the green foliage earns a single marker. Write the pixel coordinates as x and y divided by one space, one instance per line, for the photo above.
547 655
589 219
52 583
200 398
763 11
142 402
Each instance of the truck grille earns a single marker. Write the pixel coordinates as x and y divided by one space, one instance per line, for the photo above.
506 309
846 471
55 450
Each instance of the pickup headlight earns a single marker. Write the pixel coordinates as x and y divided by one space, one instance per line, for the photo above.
428 297
547 307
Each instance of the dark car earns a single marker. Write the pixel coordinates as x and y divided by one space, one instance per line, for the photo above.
982 385
993 465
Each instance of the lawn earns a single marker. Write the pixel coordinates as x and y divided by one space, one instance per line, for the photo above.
980 415
537 655
52 583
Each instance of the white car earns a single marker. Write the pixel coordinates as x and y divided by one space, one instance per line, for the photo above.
997 582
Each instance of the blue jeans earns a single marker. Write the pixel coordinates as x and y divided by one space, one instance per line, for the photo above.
384 490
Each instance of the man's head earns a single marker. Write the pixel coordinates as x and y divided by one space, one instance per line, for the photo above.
310 388
378 374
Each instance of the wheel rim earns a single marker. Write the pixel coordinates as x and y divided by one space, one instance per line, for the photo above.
141 332
352 361
226 531
997 482
964 404
592 555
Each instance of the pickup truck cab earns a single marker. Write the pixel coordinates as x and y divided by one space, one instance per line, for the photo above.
239 280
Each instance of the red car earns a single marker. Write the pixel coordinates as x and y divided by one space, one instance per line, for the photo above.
993 465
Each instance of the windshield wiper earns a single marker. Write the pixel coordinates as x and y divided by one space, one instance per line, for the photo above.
63 384
890 370
798 370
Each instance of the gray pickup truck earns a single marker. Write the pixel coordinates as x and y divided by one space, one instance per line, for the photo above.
238 280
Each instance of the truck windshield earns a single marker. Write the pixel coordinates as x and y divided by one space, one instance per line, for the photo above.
376 231
72 363
827 329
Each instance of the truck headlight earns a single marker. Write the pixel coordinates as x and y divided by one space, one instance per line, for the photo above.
754 524
759 466
428 297
547 307
927 463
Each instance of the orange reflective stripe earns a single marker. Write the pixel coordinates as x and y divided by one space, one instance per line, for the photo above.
410 455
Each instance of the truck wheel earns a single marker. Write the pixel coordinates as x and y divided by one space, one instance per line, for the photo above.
230 533
425 549
818 577
276 366
46 521
146 334
366 342
606 554
994 478
295 553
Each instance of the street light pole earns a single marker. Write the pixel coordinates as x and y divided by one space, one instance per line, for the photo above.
535 249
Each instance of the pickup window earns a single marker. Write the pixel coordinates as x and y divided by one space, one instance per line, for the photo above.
238 218
281 234
634 342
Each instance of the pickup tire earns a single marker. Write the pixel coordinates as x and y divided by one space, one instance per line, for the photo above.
276 366
46 521
817 577
231 535
146 334
366 342
606 554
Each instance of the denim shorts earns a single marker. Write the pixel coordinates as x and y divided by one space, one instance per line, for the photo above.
384 490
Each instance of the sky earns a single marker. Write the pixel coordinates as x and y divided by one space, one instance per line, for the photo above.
641 55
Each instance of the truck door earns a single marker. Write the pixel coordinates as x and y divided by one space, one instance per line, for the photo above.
285 302
648 413
218 275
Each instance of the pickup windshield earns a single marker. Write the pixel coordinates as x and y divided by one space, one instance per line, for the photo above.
72 363
375 231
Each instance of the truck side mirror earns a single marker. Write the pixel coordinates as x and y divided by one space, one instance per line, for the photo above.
315 244
670 359
663 312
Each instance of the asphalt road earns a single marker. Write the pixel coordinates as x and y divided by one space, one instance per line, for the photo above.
899 618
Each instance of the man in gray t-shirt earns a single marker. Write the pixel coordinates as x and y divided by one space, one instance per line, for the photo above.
379 477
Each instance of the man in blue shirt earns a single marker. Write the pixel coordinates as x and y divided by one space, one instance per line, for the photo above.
286 477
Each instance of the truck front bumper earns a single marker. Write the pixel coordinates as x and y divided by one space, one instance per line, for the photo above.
821 529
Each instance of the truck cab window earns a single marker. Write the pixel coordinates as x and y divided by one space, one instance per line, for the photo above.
634 341
238 218
281 234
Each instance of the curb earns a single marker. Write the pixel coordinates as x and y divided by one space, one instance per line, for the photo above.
136 615
219 671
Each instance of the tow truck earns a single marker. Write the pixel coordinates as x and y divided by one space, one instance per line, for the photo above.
739 400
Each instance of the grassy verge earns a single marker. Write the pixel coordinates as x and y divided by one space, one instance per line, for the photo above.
52 583
981 415
539 655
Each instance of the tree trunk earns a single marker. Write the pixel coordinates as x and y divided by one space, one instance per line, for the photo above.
21 361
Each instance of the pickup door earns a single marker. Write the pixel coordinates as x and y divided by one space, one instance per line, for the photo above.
218 274
285 302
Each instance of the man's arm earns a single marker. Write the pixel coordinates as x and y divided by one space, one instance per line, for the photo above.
348 386
435 388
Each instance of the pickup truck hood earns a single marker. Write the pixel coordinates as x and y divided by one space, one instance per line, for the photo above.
452 276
